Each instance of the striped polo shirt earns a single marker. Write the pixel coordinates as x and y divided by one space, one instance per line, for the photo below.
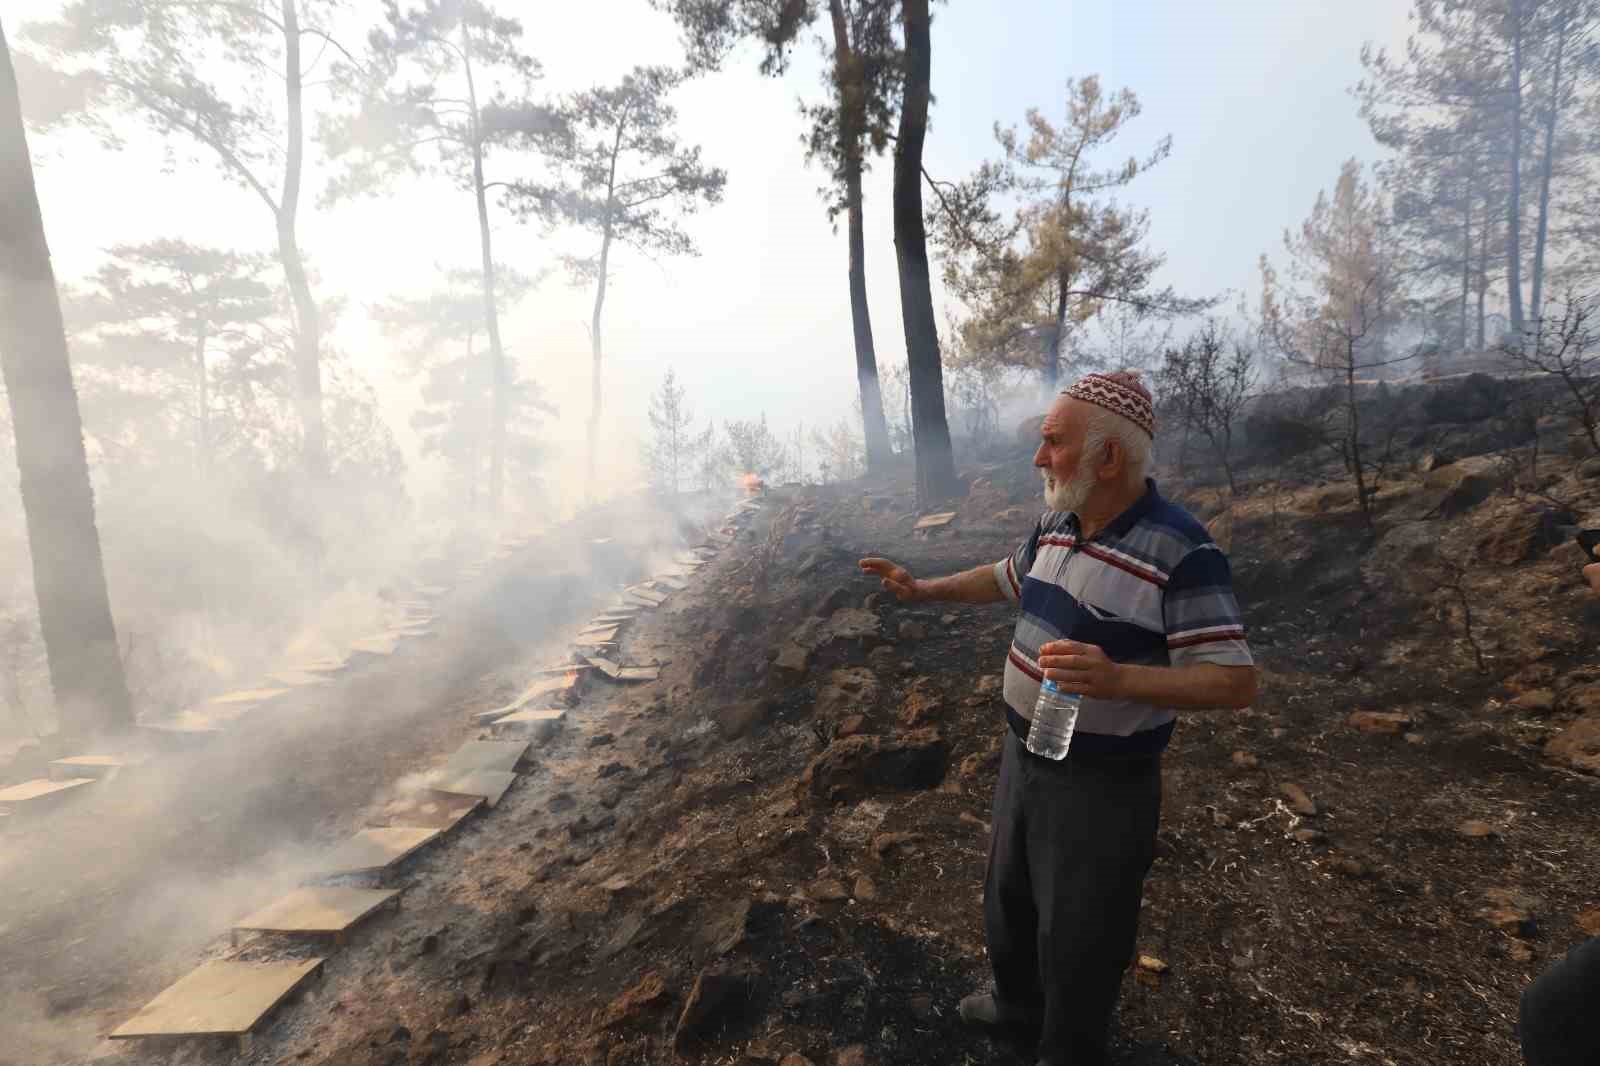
1150 588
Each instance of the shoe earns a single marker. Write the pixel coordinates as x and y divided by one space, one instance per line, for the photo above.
981 1008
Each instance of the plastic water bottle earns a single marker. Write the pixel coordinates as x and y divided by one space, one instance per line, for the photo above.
1054 718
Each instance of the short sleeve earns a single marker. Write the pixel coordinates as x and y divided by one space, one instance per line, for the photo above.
1201 614
1009 572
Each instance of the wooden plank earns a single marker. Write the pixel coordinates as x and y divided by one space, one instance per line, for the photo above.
382 644
318 909
540 722
677 584
934 521
97 766
649 596
487 755
604 665
41 792
297 679
602 635
639 673
429 807
373 850
248 697
488 785
219 998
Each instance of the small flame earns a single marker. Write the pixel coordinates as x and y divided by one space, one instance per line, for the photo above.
752 484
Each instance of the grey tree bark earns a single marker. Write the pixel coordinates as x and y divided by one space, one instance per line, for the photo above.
57 500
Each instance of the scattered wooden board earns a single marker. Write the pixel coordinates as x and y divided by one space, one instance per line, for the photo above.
487 755
594 643
373 850
249 696
540 722
558 669
185 728
378 644
40 793
328 910
639 673
934 521
97 766
650 596
219 998
430 592
602 635
330 664
487 785
429 807
297 679
677 584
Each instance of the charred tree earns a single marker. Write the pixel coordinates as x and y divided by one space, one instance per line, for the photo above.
936 471
68 572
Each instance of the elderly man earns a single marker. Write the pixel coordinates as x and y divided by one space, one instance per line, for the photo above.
1126 601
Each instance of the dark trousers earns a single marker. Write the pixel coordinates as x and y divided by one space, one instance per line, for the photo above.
1072 842
1560 1018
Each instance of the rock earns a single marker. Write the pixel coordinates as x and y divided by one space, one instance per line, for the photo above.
1220 820
1532 676
827 891
1433 461
989 685
793 660
1380 723
865 890
1473 829
600 740
1307 835
911 629
884 843
861 765
1589 921
1584 699
719 996
794 1058
977 763
1578 745
1415 739
1151 964
637 1001
736 719
852 725
727 930
921 705
1299 800
854 1055
837 598
1245 761
611 769
1519 952
846 692
874 600
1350 867
1521 535
1511 911
1461 486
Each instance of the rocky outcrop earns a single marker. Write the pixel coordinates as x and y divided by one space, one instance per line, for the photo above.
858 766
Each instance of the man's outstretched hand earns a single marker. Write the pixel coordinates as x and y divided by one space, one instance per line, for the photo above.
895 578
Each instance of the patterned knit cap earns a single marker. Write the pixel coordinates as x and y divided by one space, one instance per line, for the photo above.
1122 393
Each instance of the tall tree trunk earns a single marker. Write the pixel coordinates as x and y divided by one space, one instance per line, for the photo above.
1466 262
875 427
1514 199
202 384
1483 274
596 348
69 579
1057 356
498 383
936 469
307 327
1546 169
596 353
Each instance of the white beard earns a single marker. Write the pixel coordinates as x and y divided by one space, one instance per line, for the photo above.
1069 495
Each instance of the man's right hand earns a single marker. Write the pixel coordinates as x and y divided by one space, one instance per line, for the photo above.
895 578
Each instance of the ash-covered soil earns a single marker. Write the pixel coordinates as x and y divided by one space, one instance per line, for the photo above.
777 849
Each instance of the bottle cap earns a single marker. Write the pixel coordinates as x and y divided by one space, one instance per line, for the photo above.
1051 685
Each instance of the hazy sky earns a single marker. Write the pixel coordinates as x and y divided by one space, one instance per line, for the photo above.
1255 95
